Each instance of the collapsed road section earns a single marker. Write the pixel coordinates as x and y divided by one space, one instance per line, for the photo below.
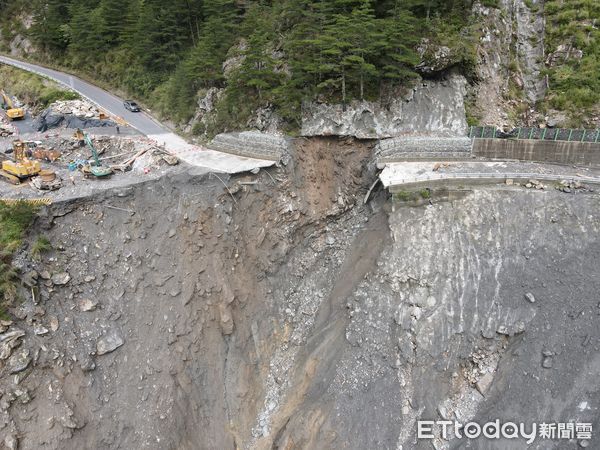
279 311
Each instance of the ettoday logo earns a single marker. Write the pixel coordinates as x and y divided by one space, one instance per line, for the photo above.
508 430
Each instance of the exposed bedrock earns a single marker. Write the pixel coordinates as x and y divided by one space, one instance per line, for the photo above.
296 317
432 107
441 327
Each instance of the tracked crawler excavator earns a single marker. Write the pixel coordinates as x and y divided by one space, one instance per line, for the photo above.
13 113
20 168
94 169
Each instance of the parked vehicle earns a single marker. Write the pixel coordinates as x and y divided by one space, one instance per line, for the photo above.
131 106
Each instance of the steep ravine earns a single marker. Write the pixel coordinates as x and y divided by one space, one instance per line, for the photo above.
285 314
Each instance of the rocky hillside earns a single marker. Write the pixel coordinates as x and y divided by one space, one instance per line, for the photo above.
283 313
536 64
359 68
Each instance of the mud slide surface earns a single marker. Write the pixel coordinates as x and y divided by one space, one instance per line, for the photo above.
282 313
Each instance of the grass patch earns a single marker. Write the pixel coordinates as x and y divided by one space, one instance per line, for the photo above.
413 196
32 89
15 219
573 79
404 196
41 245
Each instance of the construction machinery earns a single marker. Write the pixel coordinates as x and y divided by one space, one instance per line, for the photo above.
40 152
79 136
47 180
20 168
35 150
13 113
94 168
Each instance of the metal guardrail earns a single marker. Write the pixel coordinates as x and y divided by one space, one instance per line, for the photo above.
29 201
19 65
494 176
542 134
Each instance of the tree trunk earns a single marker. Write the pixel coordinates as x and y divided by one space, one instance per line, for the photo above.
343 90
362 86
189 7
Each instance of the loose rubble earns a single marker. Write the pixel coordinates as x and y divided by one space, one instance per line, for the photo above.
76 107
255 293
569 187
109 343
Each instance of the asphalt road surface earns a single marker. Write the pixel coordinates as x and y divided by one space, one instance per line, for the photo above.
111 103
194 155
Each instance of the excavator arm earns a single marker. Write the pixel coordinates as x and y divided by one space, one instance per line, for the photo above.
90 144
12 112
96 169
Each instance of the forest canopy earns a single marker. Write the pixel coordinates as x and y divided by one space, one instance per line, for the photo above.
287 51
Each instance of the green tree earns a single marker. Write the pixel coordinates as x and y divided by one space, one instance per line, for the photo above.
83 39
257 73
364 35
347 43
216 38
110 24
49 21
397 56
168 53
202 66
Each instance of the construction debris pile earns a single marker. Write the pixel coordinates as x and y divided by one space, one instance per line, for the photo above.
121 154
106 146
78 108
71 114
45 163
6 130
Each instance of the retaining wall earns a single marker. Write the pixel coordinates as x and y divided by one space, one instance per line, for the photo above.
408 148
561 152
251 144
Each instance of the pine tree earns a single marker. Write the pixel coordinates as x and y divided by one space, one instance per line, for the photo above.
217 36
111 23
364 35
157 42
294 50
49 22
346 45
83 29
397 56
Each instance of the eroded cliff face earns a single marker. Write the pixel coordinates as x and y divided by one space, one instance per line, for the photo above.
433 106
504 89
530 31
440 326
511 59
283 313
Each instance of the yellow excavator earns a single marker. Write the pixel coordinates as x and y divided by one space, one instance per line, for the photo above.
21 167
12 112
